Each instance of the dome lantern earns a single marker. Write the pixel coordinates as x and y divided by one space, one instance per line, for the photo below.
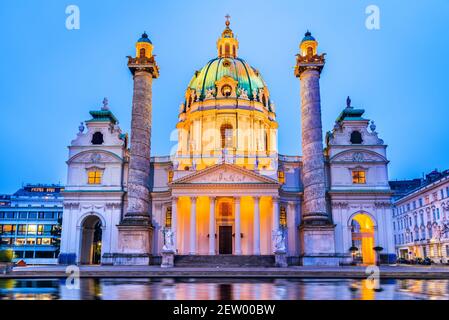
227 45
144 47
309 45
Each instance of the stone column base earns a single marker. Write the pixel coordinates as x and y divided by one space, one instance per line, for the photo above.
280 260
134 245
168 259
318 245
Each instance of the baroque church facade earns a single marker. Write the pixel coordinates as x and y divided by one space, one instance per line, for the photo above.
226 192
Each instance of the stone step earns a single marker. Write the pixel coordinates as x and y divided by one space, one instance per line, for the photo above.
224 260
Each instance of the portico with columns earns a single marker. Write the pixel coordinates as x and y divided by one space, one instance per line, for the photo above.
211 208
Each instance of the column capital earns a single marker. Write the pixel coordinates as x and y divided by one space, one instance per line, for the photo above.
237 199
174 198
193 198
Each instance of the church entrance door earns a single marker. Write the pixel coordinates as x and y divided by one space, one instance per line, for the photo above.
225 240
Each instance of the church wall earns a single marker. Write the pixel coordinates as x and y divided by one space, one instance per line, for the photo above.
202 227
266 216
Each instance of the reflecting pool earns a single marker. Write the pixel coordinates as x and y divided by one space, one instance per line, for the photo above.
224 289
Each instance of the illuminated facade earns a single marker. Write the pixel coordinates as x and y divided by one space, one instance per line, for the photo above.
421 218
30 223
225 190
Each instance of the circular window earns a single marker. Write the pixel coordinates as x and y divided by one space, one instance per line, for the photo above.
226 63
226 90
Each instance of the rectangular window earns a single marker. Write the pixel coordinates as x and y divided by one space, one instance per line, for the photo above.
32 229
5 241
9 215
447 191
447 250
47 229
394 226
281 176
283 217
20 241
408 206
32 215
40 215
23 215
22 229
31 241
420 202
46 241
168 218
48 215
442 193
2 215
94 177
438 213
358 177
414 204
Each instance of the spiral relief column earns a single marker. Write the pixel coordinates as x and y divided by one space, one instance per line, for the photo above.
135 230
316 231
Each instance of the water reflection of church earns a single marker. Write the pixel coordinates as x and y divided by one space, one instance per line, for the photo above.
227 191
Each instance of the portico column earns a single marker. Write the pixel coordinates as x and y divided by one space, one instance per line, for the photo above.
238 249
256 226
212 226
193 225
275 201
174 221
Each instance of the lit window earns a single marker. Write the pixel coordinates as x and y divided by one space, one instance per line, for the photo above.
170 176
168 218
283 218
32 229
358 177
226 136
281 177
94 177
20 241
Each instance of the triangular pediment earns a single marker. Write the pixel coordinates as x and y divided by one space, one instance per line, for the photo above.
224 174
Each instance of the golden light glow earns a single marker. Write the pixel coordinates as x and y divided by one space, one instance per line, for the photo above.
281 176
365 235
308 48
144 49
358 177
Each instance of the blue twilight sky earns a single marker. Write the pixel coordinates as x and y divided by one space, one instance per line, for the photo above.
51 77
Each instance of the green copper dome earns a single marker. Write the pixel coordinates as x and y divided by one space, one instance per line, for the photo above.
247 77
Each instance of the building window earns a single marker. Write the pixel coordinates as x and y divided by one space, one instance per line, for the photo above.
32 229
394 226
420 202
447 191
356 137
283 217
358 177
226 135
94 177
170 176
226 90
168 218
97 138
142 53
281 176
447 250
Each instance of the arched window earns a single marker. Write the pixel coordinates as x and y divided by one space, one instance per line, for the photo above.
227 50
170 176
226 90
142 53
356 137
309 51
226 133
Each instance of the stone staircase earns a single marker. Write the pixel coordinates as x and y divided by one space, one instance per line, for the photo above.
224 260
